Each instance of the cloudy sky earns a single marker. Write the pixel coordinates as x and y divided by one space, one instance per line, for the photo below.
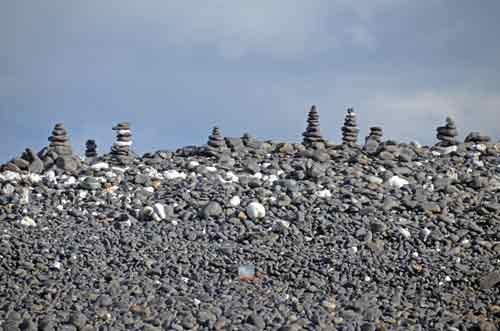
176 68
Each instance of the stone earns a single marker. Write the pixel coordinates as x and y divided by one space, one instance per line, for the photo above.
350 130
398 182
255 210
211 209
216 140
27 221
120 151
490 280
312 134
477 138
235 201
91 183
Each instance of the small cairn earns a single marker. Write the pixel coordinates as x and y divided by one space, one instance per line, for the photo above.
90 149
477 138
350 130
373 140
59 141
447 134
59 151
121 147
216 142
312 135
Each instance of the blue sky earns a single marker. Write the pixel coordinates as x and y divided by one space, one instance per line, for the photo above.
174 69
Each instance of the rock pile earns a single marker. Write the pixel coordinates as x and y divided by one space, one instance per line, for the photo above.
59 151
121 148
477 138
376 134
90 149
312 135
350 130
447 134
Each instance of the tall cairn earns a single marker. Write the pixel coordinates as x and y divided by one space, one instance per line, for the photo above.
90 149
350 130
312 135
59 141
216 142
447 134
121 148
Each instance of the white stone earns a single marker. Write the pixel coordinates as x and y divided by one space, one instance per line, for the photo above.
480 147
159 209
34 178
60 207
10 176
110 174
324 193
257 175
398 181
211 169
426 233
266 165
280 172
123 143
27 221
415 254
447 279
232 177
149 189
367 278
100 166
272 178
70 181
57 265
51 176
173 174
353 250
405 233
123 131
25 196
449 149
435 153
255 210
193 164
478 163
235 201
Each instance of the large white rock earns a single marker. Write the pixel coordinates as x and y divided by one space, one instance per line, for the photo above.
9 176
255 210
398 181
405 233
27 221
100 166
173 174
449 149
235 201
324 193
193 164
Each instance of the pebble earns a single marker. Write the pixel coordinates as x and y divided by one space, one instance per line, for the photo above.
397 182
235 201
255 210
27 221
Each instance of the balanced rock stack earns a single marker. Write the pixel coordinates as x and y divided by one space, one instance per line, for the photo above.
121 148
90 149
216 142
447 134
373 140
350 130
59 151
312 135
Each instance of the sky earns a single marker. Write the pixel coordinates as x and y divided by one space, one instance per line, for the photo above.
175 69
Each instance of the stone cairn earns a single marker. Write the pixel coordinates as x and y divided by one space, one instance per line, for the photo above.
447 134
59 141
59 151
350 130
376 134
373 140
121 148
312 135
90 149
477 138
216 142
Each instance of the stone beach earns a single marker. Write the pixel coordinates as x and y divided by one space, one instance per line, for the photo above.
252 234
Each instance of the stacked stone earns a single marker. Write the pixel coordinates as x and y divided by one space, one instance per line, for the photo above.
90 149
447 134
376 134
312 134
350 130
216 143
121 147
477 138
59 141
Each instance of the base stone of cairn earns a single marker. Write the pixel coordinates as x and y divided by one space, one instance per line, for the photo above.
447 134
59 151
120 152
312 135
373 140
350 130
